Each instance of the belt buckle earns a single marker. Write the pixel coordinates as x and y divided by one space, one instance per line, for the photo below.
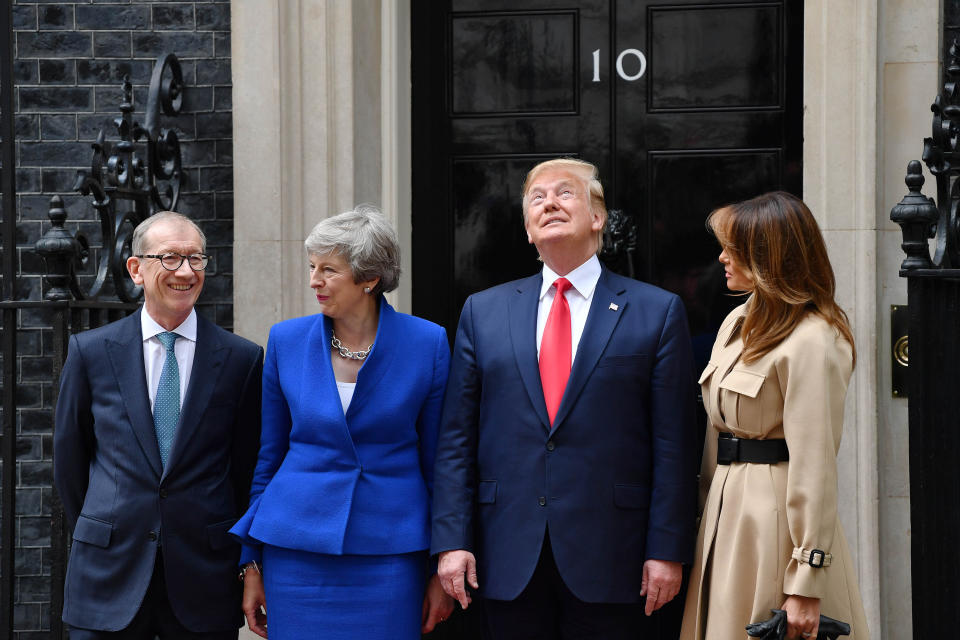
816 558
728 450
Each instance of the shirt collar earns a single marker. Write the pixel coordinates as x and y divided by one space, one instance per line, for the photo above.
187 329
584 278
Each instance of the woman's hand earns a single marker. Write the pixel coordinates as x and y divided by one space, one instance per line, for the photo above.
803 617
437 605
253 600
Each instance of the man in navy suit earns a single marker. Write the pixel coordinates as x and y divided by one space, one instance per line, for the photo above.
565 481
156 438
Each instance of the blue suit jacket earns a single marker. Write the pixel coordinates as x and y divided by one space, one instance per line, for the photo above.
354 484
615 480
121 503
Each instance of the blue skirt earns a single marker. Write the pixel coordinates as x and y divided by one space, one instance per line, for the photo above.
312 595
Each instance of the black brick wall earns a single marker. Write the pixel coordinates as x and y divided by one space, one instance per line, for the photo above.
70 60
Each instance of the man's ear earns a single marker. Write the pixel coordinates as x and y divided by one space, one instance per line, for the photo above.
133 268
597 223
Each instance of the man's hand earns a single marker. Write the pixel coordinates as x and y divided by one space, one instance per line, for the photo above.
661 583
455 568
437 605
253 600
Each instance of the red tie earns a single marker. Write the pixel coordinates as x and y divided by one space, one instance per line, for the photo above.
555 350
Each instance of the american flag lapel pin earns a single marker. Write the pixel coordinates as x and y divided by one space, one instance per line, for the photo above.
613 306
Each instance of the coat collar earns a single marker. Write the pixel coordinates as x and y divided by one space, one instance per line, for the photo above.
523 334
607 308
605 312
386 346
208 359
125 352
730 330
317 364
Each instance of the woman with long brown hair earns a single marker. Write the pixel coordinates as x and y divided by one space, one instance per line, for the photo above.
774 392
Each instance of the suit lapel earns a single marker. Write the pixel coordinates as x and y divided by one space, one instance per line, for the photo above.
385 348
126 357
208 357
523 334
605 312
318 395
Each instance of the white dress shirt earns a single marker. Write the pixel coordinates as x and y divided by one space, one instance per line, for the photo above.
579 296
154 353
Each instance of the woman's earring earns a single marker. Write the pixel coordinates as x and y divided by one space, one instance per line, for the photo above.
366 289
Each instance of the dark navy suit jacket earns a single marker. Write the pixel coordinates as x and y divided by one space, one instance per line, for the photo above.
358 483
614 481
121 503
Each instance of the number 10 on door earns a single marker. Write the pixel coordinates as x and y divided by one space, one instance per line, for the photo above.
633 53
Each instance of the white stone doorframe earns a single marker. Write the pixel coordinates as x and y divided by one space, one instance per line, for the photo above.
321 122
321 99
840 177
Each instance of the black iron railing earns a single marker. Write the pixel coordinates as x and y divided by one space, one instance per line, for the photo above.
129 179
933 357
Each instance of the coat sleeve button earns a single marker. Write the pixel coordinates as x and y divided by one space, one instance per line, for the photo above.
152 536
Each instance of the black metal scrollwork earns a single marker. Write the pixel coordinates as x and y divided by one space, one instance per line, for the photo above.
126 185
920 217
619 243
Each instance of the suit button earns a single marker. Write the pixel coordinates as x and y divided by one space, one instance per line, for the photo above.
550 445
542 501
163 493
152 536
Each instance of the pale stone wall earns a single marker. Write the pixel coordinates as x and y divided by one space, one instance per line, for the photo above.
321 123
840 186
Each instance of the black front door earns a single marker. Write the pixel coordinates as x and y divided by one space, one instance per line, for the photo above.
684 106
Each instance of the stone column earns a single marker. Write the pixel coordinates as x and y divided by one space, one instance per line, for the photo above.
840 172
321 123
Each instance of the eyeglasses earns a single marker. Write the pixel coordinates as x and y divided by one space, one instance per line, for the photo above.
172 261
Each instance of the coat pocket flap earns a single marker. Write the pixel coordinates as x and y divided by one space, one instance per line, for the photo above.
487 492
707 372
631 496
92 531
744 382
217 534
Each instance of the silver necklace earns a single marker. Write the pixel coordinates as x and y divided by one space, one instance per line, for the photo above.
346 353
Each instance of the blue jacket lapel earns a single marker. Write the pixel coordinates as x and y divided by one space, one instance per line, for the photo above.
385 349
523 334
605 312
208 357
318 388
125 352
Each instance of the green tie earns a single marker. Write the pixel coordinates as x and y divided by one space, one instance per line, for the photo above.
166 406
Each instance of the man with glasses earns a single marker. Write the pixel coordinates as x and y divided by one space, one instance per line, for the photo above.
157 431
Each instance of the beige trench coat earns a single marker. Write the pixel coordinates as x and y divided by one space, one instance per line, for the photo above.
756 514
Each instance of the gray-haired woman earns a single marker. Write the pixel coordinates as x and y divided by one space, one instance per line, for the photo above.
340 505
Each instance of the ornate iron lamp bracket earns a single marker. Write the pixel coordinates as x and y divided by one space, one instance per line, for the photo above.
142 181
620 243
